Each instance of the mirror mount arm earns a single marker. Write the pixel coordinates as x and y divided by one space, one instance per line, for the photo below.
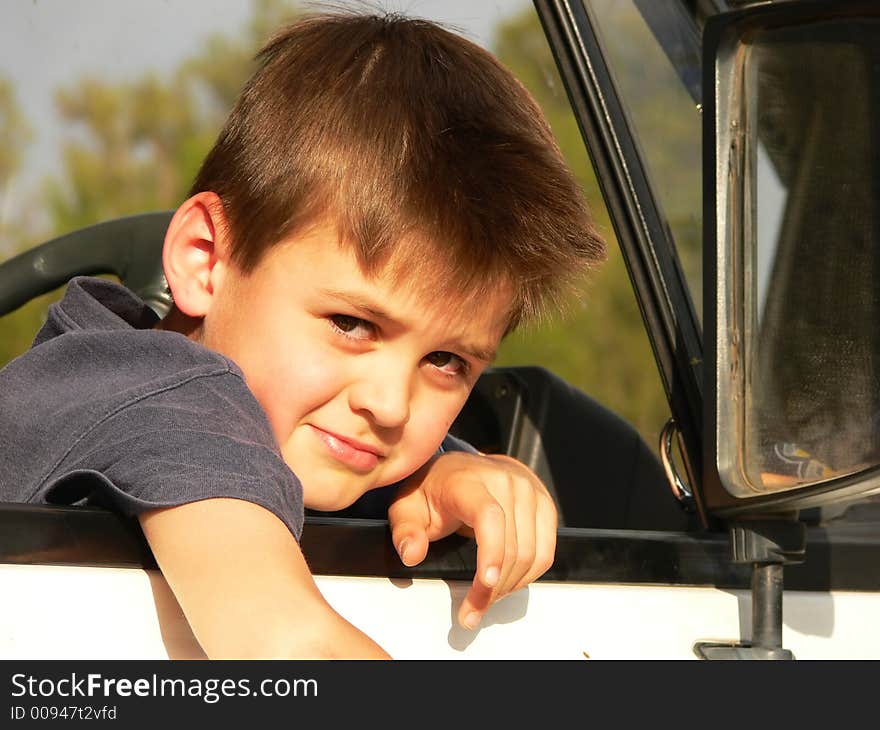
768 545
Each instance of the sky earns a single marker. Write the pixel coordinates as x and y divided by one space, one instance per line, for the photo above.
45 44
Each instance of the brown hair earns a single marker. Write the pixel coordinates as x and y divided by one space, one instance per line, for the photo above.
417 143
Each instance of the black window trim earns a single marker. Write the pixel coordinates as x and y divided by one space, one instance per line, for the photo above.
93 537
645 241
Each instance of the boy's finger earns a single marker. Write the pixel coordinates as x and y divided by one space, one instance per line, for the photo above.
545 542
490 527
474 605
411 543
409 517
512 530
521 540
482 512
493 568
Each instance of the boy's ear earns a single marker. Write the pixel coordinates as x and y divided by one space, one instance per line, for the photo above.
196 252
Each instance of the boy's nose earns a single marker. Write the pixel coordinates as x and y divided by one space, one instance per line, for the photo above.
385 395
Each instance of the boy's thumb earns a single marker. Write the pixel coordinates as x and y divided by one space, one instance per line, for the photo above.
409 518
411 544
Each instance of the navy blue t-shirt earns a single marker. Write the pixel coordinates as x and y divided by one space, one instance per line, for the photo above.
104 410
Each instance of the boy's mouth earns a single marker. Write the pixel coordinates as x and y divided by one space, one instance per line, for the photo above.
356 455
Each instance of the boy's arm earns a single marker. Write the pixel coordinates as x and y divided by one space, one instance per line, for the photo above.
494 498
244 586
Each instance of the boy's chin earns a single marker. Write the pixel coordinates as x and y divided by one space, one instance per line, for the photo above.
334 496
334 490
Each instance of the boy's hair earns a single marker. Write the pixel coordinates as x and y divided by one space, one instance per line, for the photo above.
421 147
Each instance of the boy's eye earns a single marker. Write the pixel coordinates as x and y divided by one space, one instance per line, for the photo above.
353 327
447 362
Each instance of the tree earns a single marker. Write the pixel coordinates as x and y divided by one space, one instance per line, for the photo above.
18 329
15 131
598 343
133 146
142 141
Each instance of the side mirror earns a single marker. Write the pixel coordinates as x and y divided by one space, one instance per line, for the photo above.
792 312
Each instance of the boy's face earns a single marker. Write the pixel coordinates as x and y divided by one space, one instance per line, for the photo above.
360 378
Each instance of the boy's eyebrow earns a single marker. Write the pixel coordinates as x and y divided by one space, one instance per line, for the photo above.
363 305
373 311
479 353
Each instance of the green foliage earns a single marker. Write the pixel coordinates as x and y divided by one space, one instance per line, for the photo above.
141 142
14 131
598 343
667 124
16 330
132 146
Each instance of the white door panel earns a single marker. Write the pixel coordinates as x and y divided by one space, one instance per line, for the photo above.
53 612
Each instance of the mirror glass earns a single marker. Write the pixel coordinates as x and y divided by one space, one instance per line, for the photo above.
799 320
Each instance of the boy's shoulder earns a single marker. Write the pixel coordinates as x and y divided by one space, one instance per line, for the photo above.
106 320
103 393
98 354
99 341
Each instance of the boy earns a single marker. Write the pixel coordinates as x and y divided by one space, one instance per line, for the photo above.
383 205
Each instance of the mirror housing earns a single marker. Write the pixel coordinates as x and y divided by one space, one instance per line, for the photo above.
791 170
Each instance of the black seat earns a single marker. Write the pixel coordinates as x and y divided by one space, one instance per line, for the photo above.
129 248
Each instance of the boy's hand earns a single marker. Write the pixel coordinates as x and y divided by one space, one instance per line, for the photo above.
495 499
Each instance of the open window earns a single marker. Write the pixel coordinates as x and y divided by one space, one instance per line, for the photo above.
596 452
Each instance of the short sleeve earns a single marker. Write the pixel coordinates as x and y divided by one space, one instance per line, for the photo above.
200 439
453 443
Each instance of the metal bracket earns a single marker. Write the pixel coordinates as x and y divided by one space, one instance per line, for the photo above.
769 545
681 490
